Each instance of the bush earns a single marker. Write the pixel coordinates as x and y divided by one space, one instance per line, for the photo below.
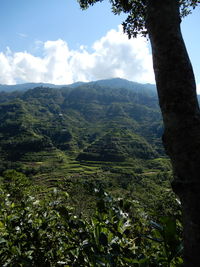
46 232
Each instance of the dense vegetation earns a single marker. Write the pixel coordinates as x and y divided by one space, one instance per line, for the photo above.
88 124
83 140
47 232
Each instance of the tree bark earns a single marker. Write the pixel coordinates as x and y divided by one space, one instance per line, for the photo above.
179 106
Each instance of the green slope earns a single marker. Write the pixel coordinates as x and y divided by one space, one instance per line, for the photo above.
51 134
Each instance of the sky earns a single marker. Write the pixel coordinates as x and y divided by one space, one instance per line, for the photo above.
54 41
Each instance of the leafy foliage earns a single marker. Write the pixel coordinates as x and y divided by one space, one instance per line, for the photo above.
35 232
136 10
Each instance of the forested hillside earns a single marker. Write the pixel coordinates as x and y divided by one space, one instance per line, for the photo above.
83 139
110 129
91 122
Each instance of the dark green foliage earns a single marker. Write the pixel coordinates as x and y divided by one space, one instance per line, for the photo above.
35 232
118 145
15 183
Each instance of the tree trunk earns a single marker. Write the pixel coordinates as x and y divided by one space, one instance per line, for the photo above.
178 102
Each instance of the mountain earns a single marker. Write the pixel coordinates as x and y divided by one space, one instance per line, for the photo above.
24 87
27 86
82 129
118 83
113 83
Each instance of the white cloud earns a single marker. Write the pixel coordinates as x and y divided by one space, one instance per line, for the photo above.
112 56
6 73
116 56
22 35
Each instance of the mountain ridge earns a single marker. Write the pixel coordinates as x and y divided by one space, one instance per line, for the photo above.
113 82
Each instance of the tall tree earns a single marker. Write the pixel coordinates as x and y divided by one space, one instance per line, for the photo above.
175 81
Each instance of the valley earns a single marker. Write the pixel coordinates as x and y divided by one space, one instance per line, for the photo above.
110 128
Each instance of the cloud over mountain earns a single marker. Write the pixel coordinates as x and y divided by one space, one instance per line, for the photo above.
111 56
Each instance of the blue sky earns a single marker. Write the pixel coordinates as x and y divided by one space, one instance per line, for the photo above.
54 41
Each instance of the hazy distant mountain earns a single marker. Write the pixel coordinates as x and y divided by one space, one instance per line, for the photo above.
26 86
112 83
